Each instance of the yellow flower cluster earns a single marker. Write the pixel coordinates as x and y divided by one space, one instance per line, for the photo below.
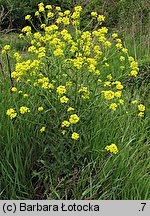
113 106
5 49
44 82
112 148
85 92
74 119
41 7
134 67
65 124
27 30
11 113
75 136
64 99
61 90
17 56
100 18
24 110
141 108
108 95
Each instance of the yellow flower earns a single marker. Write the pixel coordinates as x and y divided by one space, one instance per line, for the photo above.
122 67
141 114
130 58
63 132
134 102
66 20
61 90
51 86
37 13
100 18
41 7
69 83
28 17
134 73
106 64
11 113
109 77
64 99
124 50
26 29
119 86
121 101
78 62
17 56
113 106
91 68
13 89
65 123
114 35
20 35
78 8
59 20
5 49
49 7
99 80
60 15
141 107
24 110
40 108
32 49
107 44
58 52
58 8
42 129
119 45
75 136
118 40
50 15
108 83
112 148
70 109
74 119
134 65
25 95
97 72
41 4
108 94
118 94
94 14
67 12
122 58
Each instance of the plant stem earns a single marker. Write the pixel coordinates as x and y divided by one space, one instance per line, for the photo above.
9 69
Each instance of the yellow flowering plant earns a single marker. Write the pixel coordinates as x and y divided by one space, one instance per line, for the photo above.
67 77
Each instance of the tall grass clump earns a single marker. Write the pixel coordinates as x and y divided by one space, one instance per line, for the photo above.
71 128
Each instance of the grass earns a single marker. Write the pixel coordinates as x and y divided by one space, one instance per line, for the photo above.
16 43
36 166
